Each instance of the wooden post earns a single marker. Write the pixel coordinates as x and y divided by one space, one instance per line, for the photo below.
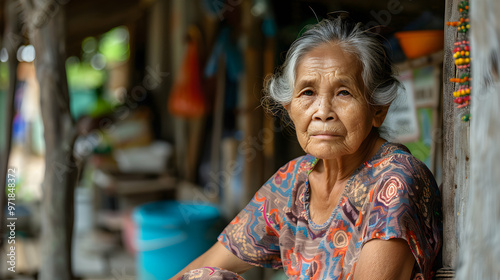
12 41
252 111
252 146
46 22
455 154
218 120
268 132
179 26
159 47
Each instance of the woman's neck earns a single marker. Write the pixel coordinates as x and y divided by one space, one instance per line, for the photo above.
340 169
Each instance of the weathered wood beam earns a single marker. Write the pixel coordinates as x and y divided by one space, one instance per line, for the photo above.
86 20
455 155
48 38
253 115
12 40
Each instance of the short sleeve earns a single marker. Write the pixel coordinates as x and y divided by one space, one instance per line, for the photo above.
253 236
212 273
406 204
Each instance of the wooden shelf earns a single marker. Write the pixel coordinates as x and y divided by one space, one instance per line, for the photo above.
429 60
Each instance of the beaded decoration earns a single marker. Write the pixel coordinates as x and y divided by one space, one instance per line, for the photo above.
461 54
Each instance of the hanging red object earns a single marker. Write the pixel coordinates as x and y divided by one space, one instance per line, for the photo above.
186 98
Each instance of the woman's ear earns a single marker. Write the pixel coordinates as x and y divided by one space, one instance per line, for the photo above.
380 112
287 111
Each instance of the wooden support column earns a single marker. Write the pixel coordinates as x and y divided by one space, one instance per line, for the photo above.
12 40
46 22
159 47
455 154
268 125
252 117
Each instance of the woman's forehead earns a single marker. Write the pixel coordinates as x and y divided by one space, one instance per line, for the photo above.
330 61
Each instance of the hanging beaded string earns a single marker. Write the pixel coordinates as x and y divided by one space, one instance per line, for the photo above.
461 54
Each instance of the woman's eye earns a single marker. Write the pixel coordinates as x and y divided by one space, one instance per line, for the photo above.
344 92
308 93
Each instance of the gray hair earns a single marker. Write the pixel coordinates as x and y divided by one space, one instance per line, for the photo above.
377 71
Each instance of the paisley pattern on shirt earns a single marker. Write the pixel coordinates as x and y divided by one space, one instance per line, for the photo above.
212 273
393 195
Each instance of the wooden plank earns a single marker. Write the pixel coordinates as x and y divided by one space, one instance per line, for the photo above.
455 148
432 59
122 184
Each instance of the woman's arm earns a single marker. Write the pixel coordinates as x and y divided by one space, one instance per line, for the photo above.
217 256
385 260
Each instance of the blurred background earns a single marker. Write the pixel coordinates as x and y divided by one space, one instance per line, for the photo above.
129 107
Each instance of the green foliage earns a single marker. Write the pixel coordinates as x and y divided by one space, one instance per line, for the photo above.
90 71
81 75
87 75
114 45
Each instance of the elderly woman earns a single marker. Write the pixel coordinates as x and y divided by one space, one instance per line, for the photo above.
355 206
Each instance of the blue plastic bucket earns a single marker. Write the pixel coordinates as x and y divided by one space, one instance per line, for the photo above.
171 234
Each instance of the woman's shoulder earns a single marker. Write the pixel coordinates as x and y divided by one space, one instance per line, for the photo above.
403 202
391 150
393 165
405 177
396 158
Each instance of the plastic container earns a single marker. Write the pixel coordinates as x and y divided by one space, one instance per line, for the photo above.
170 234
421 42
148 159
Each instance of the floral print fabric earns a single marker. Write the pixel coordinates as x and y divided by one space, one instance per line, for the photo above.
393 195
212 273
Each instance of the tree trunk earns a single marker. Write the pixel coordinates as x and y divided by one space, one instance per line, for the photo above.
47 36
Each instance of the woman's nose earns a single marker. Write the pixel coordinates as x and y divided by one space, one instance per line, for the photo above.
324 111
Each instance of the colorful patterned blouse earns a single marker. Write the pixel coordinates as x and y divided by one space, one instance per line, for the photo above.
393 195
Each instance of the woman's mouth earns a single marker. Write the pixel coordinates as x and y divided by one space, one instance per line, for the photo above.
325 134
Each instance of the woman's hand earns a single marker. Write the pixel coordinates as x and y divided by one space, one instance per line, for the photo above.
217 256
385 260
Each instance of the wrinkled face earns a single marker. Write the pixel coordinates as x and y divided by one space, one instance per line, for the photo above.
329 107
